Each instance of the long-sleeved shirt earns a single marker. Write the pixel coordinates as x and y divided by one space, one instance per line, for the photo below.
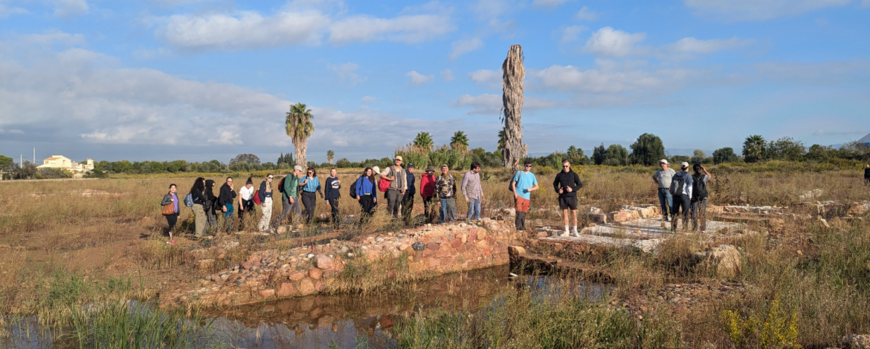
226 196
471 185
446 186
291 187
687 183
332 190
411 181
867 173
364 186
265 191
198 197
565 180
427 185
312 184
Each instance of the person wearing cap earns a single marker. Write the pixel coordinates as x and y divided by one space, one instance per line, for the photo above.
523 184
681 190
427 192
408 198
472 191
445 186
290 197
398 186
333 193
662 178
567 183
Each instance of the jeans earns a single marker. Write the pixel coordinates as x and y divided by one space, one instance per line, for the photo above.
473 209
699 212
667 202
309 199
333 206
448 210
229 216
682 205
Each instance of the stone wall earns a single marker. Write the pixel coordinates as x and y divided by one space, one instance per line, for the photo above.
338 266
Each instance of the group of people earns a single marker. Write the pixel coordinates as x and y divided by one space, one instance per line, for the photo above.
678 192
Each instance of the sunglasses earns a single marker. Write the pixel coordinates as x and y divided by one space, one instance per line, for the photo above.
528 165
270 177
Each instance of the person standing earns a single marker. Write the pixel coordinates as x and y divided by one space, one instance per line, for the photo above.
472 191
662 178
310 188
366 193
398 186
332 194
445 186
265 194
567 183
408 198
225 200
427 191
246 201
171 198
681 190
210 206
523 184
198 200
867 174
699 197
289 187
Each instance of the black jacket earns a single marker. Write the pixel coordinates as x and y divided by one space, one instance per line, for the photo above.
332 190
565 180
198 198
227 195
867 173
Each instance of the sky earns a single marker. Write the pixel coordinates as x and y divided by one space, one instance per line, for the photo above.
200 80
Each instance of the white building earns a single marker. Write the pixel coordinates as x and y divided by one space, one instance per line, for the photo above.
64 163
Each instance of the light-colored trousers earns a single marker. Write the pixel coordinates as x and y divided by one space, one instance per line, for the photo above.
200 219
267 215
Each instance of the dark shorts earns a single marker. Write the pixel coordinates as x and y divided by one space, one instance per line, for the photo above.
568 203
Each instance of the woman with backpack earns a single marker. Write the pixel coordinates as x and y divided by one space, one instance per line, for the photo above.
310 185
199 200
170 212
699 197
366 193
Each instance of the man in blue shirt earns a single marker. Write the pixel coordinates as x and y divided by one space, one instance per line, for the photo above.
523 184
408 200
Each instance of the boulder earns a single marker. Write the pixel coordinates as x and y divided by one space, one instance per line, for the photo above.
296 276
315 273
776 224
724 260
286 289
620 216
418 246
856 208
323 262
856 341
306 287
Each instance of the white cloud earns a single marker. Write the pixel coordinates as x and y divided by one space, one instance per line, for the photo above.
19 132
368 99
461 47
692 45
491 78
548 3
488 9
418 79
408 29
571 34
6 11
346 72
586 15
488 103
753 10
609 42
52 37
68 8
865 3
245 30
447 75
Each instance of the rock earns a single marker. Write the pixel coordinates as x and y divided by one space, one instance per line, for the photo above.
543 234
323 262
809 195
856 208
620 216
315 273
296 276
306 287
433 246
856 341
725 260
516 251
267 293
286 289
776 224
204 264
418 246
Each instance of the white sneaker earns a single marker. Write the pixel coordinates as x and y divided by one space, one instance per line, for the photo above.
575 234
563 234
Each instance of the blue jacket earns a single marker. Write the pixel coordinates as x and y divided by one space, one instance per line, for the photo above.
365 186
312 185
411 180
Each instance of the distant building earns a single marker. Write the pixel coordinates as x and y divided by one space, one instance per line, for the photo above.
64 163
865 141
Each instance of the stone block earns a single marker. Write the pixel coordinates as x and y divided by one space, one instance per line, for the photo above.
286 290
296 276
306 287
620 216
323 262
267 293
433 246
315 273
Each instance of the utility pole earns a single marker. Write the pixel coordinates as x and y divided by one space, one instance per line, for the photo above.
34 155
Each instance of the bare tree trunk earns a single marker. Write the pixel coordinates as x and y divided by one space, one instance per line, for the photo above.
514 72
300 146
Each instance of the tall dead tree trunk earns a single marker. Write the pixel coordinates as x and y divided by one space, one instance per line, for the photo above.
512 80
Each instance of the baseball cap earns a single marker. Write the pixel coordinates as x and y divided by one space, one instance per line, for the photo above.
376 169
663 161
399 158
410 165
430 168
684 165
444 165
297 168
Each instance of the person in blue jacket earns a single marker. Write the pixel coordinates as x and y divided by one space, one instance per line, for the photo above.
366 192
310 184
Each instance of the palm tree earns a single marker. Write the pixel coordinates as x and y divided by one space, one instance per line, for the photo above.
423 140
329 156
512 98
753 148
501 140
459 139
299 128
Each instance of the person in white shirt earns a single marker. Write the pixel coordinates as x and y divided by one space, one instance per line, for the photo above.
246 201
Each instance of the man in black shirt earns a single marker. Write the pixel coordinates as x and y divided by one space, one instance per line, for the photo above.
332 194
566 184
408 199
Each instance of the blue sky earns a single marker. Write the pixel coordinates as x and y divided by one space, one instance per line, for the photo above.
201 80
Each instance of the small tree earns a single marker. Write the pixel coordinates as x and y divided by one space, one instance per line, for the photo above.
647 150
459 140
329 156
616 155
423 140
786 148
723 155
598 154
247 158
754 148
576 156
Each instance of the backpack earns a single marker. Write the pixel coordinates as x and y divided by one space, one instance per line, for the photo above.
353 188
383 185
188 200
699 188
511 183
677 184
281 185
256 197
